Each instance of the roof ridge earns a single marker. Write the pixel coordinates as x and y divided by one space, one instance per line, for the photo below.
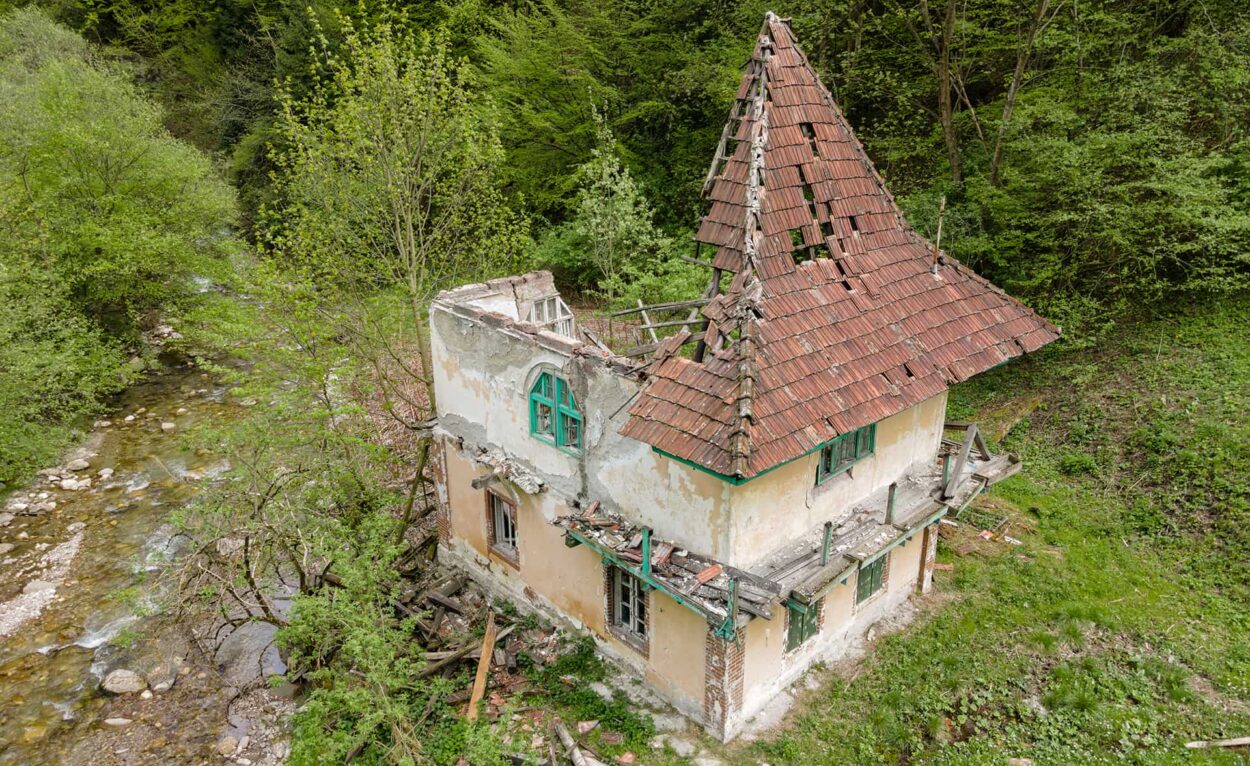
748 288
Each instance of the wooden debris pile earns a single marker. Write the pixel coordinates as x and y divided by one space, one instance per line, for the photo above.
698 578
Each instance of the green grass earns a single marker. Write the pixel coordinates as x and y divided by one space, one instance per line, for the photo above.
1121 628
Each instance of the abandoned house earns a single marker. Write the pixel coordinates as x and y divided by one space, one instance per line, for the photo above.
748 490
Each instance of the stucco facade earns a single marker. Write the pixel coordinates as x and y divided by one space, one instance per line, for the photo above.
486 361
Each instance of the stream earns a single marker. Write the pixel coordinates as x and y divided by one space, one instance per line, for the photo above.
77 593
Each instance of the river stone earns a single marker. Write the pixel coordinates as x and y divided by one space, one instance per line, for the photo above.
124 682
6 547
227 745
6 519
116 721
105 473
69 484
38 586
162 677
77 465
168 427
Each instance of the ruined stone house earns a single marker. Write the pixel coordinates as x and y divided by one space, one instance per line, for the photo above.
726 505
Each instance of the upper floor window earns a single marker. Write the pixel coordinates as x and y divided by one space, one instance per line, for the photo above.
845 451
554 417
552 313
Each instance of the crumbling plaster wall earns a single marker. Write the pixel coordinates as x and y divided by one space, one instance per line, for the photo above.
483 373
769 668
785 504
567 585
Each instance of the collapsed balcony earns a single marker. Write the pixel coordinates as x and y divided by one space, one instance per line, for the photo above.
804 571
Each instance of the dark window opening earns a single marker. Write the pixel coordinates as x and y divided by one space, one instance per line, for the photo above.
907 369
628 606
846 450
503 525
826 229
854 224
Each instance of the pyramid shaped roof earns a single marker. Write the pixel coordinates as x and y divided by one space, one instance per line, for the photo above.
838 314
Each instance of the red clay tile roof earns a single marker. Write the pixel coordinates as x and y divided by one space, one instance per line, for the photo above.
834 319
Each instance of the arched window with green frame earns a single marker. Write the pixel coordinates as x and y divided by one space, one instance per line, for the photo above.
554 417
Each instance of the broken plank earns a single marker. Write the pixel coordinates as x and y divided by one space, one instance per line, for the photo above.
646 323
650 347
1202 743
438 599
570 747
663 307
483 666
457 655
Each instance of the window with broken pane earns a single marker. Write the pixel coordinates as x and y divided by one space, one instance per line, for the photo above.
845 451
629 604
503 527
554 417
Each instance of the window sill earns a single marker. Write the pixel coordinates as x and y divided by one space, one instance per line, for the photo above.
551 443
638 643
509 556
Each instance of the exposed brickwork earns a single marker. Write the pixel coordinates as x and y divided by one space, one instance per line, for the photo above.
438 467
723 680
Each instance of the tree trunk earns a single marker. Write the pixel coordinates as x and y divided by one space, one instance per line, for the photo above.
1013 88
945 103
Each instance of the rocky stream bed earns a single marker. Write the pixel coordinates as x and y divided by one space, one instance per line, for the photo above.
81 549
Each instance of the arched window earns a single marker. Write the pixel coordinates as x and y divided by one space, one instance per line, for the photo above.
553 413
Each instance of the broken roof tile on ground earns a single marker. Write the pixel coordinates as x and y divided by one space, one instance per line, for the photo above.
838 314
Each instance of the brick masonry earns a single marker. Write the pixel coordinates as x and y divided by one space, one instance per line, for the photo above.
722 689
438 467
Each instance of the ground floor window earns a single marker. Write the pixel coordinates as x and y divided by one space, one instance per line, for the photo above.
502 526
628 605
803 622
871 578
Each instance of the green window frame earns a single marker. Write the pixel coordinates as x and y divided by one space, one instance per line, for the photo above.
554 417
802 623
870 580
838 455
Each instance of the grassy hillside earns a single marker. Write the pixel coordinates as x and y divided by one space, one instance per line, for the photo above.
1118 630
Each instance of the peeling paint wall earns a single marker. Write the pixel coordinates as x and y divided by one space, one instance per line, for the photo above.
566 584
786 504
483 375
770 668
485 365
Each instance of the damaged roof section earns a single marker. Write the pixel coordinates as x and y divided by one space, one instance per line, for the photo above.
528 306
838 313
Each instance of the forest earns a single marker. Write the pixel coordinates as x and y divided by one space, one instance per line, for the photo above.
278 189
